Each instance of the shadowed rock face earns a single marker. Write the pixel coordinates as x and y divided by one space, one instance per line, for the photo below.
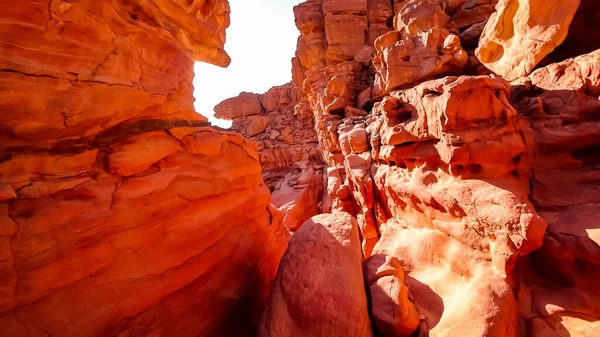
122 212
319 289
562 103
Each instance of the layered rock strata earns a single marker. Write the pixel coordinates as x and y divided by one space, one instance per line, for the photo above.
122 212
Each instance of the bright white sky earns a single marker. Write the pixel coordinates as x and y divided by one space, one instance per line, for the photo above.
261 42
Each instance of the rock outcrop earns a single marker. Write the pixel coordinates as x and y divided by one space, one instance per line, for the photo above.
520 34
393 310
287 147
319 289
122 212
451 172
581 39
482 191
420 48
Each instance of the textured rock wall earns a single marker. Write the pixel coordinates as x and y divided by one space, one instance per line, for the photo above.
472 201
122 212
483 191
287 147
562 101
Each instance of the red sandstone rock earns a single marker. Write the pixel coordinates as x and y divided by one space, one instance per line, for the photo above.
346 25
122 212
257 125
562 101
438 175
246 104
520 34
319 289
393 310
447 197
580 39
110 184
288 150
420 48
380 14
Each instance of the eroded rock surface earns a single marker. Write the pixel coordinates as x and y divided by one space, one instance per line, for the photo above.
420 48
122 212
451 171
482 190
462 205
393 310
287 147
319 289
521 33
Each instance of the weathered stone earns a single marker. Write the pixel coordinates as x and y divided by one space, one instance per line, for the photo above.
244 105
521 33
562 103
291 162
489 209
393 310
122 212
319 289
420 48
257 125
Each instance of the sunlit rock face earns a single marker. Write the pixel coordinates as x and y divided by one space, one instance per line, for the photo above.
122 212
475 194
520 34
420 48
562 103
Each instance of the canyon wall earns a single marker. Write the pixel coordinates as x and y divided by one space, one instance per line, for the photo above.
122 211
287 147
473 180
454 142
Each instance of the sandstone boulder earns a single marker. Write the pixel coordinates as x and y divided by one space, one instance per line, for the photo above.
393 310
420 48
257 125
244 105
319 289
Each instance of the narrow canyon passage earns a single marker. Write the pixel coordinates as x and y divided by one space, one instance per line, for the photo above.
431 169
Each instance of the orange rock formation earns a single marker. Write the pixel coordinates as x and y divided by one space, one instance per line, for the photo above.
310 297
122 212
287 147
475 196
454 142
